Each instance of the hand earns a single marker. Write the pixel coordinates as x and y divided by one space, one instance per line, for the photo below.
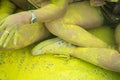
10 25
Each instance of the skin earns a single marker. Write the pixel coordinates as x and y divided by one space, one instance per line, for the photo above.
103 57
75 25
10 25
52 25
68 28
53 10
49 11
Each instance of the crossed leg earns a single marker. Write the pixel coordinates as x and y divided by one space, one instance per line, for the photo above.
71 27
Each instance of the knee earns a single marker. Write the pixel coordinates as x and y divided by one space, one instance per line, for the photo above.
54 27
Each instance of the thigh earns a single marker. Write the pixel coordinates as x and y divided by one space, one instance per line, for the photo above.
71 26
74 34
81 13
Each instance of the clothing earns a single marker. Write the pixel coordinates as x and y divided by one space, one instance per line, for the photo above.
29 4
111 12
23 4
101 2
77 0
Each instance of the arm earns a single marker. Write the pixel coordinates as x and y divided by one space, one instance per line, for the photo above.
47 13
51 11
13 22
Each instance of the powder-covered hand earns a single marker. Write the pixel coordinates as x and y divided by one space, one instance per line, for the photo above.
10 25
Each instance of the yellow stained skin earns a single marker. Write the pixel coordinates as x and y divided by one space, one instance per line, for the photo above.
27 35
105 58
63 27
71 27
51 11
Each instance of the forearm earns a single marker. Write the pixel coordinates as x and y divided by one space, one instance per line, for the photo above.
48 13
51 11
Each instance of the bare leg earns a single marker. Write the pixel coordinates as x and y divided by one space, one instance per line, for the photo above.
70 27
82 14
106 58
76 35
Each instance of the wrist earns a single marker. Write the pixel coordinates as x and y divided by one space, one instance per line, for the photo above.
26 16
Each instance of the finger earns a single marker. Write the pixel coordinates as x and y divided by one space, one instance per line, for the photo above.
2 26
2 21
4 35
15 38
9 38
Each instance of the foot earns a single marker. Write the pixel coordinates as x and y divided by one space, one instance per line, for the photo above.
55 46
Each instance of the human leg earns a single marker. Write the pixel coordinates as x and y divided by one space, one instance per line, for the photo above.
76 35
102 57
71 27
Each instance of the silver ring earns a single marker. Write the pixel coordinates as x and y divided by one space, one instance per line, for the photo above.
7 32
